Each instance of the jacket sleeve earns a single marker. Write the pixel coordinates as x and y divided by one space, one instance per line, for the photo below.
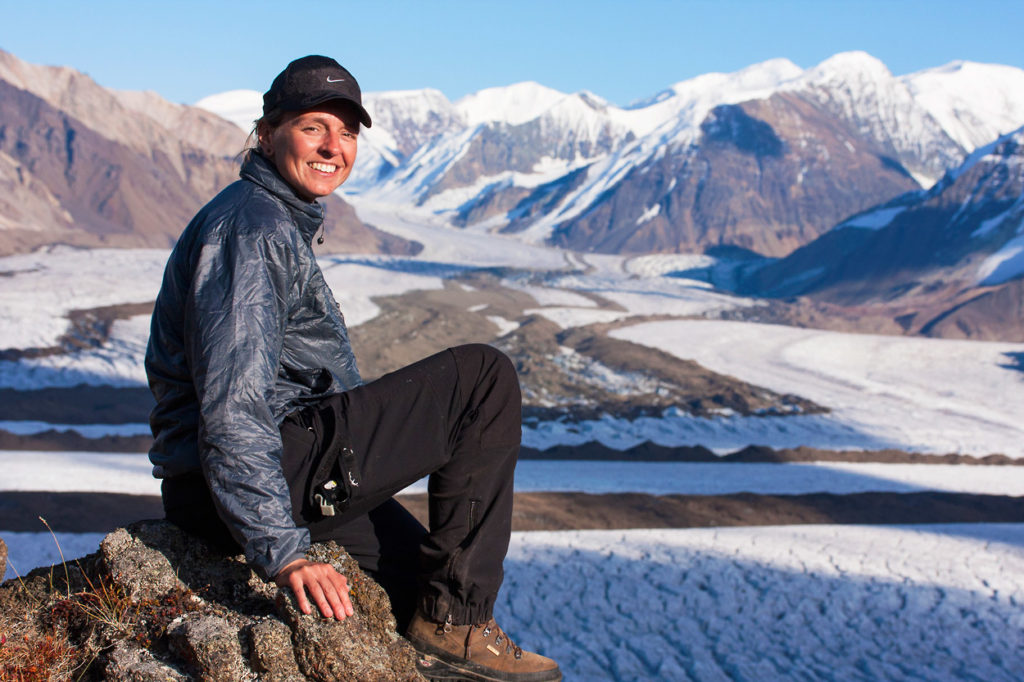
235 319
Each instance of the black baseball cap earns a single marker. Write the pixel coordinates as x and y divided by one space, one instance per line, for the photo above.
312 80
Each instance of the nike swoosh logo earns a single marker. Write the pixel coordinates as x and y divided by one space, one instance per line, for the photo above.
334 80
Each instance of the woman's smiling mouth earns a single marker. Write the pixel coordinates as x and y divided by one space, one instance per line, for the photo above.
323 167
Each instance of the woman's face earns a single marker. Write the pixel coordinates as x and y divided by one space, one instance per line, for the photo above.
314 149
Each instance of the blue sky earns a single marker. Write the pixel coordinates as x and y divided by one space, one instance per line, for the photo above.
618 50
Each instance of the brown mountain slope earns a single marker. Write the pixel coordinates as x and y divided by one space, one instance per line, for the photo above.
67 183
87 166
941 261
141 121
767 175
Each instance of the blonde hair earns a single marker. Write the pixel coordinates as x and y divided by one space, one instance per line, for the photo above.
252 140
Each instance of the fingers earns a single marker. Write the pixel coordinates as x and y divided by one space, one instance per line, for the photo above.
334 594
344 605
327 588
297 584
284 579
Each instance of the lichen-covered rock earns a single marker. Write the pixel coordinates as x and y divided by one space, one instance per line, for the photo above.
344 650
130 662
271 655
157 604
210 645
141 570
150 558
362 647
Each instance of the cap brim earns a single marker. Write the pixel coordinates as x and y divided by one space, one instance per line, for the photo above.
364 117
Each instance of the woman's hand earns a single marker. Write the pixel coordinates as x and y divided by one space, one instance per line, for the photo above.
327 587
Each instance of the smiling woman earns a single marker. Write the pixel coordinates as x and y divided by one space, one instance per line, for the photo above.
310 125
266 437
313 150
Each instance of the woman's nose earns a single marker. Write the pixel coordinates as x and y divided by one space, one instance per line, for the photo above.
331 144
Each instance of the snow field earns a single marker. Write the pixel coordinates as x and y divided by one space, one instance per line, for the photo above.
354 285
442 243
797 478
654 265
949 92
920 394
77 472
26 551
577 317
87 430
633 296
505 326
118 362
43 287
723 434
1004 264
241 107
772 603
928 395
132 474
40 288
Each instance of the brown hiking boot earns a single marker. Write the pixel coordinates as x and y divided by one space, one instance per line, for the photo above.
475 652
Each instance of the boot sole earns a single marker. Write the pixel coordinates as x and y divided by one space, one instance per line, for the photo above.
439 665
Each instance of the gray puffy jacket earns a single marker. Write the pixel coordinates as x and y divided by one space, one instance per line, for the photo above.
245 331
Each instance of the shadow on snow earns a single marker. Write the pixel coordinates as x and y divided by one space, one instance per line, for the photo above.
641 610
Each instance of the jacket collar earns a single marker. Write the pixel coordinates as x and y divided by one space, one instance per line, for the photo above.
307 215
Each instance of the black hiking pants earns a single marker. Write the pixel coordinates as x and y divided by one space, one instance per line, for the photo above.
455 416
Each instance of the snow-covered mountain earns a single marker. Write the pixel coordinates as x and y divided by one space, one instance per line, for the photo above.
952 255
974 103
859 89
766 158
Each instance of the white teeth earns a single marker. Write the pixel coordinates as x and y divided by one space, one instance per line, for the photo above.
324 167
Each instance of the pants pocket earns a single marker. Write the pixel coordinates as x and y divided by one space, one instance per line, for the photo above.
318 464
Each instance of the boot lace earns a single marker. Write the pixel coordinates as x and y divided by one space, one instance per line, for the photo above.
510 646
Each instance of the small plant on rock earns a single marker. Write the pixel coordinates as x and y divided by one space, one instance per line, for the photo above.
37 657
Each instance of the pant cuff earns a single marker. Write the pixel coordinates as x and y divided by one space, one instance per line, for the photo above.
438 609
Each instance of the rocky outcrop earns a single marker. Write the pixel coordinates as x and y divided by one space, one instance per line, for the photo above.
156 604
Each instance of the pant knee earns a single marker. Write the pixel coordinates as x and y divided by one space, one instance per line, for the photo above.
487 361
490 389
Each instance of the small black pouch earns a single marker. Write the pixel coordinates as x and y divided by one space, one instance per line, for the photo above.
318 463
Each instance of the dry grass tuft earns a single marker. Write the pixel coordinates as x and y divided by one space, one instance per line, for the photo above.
38 657
51 630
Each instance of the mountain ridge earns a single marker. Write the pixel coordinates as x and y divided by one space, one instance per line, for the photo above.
949 256
766 161
481 159
482 167
87 166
